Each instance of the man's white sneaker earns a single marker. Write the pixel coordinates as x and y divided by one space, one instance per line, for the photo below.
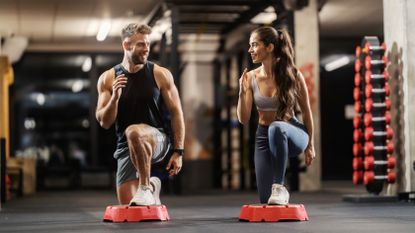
279 195
143 197
156 183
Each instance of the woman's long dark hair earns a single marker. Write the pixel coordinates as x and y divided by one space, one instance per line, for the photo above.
285 71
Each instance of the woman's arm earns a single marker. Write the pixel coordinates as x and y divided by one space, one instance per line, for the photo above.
307 118
245 98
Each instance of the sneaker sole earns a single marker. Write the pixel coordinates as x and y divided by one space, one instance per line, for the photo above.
136 203
139 204
278 203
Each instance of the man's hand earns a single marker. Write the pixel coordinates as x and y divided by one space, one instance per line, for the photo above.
175 164
117 86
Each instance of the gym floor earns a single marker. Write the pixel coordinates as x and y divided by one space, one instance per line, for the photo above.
82 211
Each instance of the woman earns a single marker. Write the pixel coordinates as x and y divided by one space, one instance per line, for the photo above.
275 87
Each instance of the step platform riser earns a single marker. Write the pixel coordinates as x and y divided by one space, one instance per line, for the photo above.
273 213
125 213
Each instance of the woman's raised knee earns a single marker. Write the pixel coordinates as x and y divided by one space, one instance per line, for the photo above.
277 128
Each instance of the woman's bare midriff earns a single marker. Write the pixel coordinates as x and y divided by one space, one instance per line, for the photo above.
266 118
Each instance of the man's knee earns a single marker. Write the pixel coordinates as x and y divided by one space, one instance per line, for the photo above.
137 133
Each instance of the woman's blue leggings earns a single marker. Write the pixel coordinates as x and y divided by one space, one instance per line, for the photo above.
273 145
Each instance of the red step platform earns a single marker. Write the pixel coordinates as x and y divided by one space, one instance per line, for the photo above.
273 213
125 213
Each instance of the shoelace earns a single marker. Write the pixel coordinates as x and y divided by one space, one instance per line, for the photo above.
145 188
276 190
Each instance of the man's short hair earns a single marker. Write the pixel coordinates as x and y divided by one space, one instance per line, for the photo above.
134 28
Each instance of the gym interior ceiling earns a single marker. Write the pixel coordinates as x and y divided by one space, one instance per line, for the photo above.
52 25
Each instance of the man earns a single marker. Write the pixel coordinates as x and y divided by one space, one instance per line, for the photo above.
133 95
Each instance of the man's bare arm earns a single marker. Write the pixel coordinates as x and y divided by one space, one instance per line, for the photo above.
170 95
173 104
107 105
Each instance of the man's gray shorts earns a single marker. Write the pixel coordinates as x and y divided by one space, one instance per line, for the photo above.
125 168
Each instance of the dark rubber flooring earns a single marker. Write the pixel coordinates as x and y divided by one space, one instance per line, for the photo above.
218 211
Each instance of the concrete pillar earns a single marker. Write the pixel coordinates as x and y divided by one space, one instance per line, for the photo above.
6 79
197 54
399 22
93 123
307 60
174 53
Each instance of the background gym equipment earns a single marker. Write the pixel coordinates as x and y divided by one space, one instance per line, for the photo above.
370 133
369 119
372 136
370 104
370 177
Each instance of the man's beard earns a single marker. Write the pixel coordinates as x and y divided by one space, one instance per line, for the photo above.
138 60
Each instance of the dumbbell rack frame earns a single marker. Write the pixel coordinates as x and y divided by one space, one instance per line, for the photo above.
376 186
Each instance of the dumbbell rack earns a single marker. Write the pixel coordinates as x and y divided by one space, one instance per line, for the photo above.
372 149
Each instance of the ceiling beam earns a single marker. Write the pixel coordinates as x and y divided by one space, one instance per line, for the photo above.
204 22
213 10
156 15
213 2
248 15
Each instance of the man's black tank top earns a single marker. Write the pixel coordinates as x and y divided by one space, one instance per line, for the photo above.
140 102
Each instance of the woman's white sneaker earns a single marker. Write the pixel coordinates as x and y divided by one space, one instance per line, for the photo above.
279 195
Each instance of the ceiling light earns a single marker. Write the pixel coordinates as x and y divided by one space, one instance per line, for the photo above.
40 99
163 25
29 123
14 47
77 86
85 123
103 30
86 66
336 64
92 27
265 17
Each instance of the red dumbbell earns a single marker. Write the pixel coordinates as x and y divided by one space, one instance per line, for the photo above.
370 133
369 90
369 118
358 52
357 121
370 162
369 148
357 163
357 135
370 78
369 105
358 106
374 48
356 93
369 177
357 79
357 177
357 149
369 62
357 65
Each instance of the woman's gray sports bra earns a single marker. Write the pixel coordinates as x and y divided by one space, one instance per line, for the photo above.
263 103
